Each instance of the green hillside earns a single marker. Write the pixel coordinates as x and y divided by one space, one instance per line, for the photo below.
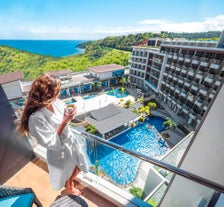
33 65
109 50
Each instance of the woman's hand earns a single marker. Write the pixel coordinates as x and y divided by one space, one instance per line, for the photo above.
69 115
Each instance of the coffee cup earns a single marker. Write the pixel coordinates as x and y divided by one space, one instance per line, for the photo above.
70 107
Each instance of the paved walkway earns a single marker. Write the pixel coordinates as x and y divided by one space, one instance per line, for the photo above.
97 102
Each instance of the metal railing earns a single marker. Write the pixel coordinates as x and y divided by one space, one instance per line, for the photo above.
171 168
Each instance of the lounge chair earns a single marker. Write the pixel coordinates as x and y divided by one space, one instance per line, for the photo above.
17 197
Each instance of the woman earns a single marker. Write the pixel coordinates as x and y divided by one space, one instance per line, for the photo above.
45 118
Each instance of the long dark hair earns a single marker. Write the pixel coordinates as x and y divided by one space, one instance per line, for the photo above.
43 90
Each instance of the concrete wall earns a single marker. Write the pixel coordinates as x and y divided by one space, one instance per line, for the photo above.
12 90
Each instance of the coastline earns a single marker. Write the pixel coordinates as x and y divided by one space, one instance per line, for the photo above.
53 48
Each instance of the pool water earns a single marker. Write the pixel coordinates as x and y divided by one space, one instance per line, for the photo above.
72 100
117 93
123 168
89 96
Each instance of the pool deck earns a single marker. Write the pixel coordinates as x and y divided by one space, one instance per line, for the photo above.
97 102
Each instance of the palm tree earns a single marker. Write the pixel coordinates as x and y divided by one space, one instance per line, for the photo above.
122 91
152 105
99 85
112 91
123 80
169 123
141 99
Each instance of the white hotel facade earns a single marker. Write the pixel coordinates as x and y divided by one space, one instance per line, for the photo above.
183 74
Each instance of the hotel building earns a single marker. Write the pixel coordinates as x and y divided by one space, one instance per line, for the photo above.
184 75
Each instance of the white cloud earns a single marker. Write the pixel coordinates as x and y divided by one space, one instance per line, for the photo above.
209 24
37 31
154 21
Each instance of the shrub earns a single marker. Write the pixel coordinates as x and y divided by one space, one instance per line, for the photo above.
136 191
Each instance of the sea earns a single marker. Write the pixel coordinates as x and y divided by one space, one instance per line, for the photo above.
54 48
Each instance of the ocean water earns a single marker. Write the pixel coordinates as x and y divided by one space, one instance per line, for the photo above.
55 48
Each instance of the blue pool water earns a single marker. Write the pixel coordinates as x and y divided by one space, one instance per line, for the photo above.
123 168
117 93
72 100
89 96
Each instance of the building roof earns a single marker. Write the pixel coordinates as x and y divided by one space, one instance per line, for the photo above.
11 77
59 73
110 117
105 68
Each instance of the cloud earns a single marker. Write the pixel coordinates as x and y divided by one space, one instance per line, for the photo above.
35 30
209 24
154 21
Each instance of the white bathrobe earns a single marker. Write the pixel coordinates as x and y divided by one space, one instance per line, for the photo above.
64 152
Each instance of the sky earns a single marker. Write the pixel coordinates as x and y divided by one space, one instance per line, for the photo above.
97 19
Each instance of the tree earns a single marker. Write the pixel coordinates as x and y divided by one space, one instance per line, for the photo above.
169 123
136 191
97 170
91 129
122 91
112 91
99 85
123 80
151 105
141 99
127 103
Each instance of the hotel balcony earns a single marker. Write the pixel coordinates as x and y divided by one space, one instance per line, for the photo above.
214 68
184 73
194 89
197 103
208 81
180 82
199 77
180 58
195 62
203 92
203 66
188 174
190 98
217 83
191 75
187 85
178 70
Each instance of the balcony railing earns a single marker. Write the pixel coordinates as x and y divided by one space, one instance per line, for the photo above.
159 172
151 160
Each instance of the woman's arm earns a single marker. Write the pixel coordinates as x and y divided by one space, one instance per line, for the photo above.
68 116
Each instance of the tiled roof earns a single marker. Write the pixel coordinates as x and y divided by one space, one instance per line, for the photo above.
11 77
106 123
105 68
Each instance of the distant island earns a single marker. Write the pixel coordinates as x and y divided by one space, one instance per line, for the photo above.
99 52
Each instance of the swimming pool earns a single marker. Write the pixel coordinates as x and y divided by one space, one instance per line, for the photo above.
89 96
72 100
123 168
117 93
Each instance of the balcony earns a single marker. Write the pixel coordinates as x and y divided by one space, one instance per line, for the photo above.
194 88
191 75
204 64
187 85
195 62
184 73
177 70
155 174
214 68
208 81
203 92
199 104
